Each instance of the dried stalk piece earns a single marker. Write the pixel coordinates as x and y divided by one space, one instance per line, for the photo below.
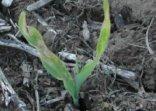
9 94
19 45
128 76
147 40
4 26
26 68
38 4
48 102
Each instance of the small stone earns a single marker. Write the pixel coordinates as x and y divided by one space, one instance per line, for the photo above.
7 3
85 32
67 56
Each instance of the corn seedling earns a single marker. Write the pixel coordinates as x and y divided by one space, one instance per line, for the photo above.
55 66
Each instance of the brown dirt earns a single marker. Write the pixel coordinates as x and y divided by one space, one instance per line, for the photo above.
126 49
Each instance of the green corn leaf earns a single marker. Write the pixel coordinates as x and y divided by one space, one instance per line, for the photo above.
70 85
76 67
35 38
101 46
58 70
50 61
105 31
22 25
85 72
54 65
27 30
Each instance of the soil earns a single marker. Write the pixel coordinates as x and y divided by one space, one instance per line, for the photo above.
126 50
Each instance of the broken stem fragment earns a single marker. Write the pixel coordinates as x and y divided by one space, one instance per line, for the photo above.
9 93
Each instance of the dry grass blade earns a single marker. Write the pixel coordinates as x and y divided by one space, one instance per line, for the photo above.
147 39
